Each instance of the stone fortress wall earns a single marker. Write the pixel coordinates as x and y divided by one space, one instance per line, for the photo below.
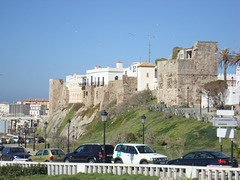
192 68
196 67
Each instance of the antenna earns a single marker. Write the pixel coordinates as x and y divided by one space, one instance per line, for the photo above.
149 51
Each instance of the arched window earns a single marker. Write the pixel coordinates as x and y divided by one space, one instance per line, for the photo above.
147 75
116 77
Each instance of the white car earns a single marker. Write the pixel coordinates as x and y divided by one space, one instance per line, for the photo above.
128 153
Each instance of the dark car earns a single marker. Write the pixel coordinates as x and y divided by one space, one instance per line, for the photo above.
90 153
1 147
14 153
204 158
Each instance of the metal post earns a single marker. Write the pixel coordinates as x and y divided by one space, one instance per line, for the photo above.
187 97
201 105
25 133
220 140
33 139
231 152
68 140
143 133
19 130
208 99
45 138
104 150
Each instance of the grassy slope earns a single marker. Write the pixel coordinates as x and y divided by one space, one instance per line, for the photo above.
197 134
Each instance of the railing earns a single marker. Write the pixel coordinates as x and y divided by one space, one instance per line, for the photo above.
161 171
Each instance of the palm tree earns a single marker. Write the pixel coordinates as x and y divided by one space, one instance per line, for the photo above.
236 58
224 60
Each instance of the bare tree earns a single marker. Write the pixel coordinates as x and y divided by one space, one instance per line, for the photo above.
217 89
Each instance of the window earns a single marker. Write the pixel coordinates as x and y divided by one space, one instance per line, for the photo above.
147 75
45 152
147 85
116 77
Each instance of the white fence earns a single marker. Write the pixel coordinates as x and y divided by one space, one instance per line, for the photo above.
162 171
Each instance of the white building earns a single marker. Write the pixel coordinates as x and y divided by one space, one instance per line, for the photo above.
101 76
4 108
37 110
233 92
146 76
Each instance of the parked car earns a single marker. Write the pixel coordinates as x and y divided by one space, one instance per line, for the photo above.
10 141
48 155
3 141
90 153
128 153
1 147
14 154
204 158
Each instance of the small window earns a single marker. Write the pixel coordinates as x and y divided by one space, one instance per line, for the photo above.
147 85
45 152
147 75
116 77
39 153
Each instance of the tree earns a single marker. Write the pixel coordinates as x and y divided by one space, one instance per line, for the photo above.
217 89
224 60
236 58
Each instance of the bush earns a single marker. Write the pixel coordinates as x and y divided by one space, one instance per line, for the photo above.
7 172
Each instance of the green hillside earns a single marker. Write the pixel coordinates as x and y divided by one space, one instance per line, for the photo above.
169 135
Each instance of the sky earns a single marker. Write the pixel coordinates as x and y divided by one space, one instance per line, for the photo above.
50 39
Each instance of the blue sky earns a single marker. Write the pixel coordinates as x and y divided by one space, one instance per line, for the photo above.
44 39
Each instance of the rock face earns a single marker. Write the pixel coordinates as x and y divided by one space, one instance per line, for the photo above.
180 80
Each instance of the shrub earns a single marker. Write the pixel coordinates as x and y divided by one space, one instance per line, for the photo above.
7 172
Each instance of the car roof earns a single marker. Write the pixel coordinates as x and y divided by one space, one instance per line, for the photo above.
132 144
96 144
203 151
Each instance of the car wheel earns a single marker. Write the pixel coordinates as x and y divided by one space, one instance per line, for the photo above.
119 161
66 161
144 162
30 160
47 161
91 161
11 159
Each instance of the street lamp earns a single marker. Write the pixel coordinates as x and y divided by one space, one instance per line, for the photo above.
201 105
187 97
34 130
45 126
104 119
25 134
73 136
143 118
19 130
208 91
68 125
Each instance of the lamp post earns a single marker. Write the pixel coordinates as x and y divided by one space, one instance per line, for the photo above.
143 118
19 130
25 134
68 125
187 97
34 130
73 137
104 119
208 91
201 105
45 126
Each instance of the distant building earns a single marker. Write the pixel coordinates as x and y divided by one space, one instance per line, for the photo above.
19 109
4 108
37 106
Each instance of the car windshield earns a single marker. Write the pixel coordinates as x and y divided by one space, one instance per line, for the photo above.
144 149
17 150
220 155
